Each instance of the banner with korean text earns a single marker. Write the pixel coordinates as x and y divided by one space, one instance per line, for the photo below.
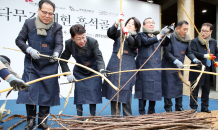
95 15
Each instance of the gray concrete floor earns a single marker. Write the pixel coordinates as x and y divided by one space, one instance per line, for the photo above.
213 93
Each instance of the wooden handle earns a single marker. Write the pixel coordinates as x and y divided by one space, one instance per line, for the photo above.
109 82
37 80
77 65
121 9
120 52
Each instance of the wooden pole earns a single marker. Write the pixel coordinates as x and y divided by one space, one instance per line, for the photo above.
37 80
126 71
77 65
120 56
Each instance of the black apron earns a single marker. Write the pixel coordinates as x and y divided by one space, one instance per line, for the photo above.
148 83
87 91
172 86
128 63
45 92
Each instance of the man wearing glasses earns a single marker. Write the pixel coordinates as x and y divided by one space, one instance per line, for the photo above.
200 51
148 83
44 36
85 50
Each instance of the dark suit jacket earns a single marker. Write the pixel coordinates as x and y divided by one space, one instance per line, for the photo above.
147 41
93 49
199 50
29 25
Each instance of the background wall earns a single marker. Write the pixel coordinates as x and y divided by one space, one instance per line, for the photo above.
96 15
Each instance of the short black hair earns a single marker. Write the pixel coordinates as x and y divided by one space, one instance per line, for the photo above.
146 19
207 24
46 1
180 23
77 29
136 23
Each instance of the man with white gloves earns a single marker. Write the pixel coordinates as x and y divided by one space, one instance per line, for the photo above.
85 50
199 49
174 55
148 83
40 35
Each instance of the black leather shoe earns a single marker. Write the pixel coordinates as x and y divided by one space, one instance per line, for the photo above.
30 124
168 110
1 127
205 110
148 112
180 109
44 125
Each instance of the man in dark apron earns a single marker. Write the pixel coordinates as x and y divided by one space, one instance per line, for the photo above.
173 57
85 50
148 83
44 36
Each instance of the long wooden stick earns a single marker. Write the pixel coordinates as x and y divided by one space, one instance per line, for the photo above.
152 69
109 82
121 8
136 72
37 80
67 99
119 54
197 31
198 78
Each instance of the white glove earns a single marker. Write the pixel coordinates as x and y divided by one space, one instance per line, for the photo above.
104 72
209 56
33 52
169 34
52 58
17 84
71 78
164 31
119 18
125 31
206 56
179 64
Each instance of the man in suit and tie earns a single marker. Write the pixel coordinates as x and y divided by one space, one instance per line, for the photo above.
199 49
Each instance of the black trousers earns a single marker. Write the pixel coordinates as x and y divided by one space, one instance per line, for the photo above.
92 108
127 109
43 112
205 93
142 104
168 104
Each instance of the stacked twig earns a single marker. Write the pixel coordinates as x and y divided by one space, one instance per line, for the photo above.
171 120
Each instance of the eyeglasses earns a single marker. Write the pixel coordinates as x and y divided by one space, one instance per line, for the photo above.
45 12
205 31
150 22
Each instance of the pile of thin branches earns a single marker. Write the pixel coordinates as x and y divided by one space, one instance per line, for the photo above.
168 120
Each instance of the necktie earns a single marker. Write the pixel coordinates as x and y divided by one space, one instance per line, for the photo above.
208 63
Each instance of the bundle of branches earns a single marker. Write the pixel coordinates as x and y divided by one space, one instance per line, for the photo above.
170 120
